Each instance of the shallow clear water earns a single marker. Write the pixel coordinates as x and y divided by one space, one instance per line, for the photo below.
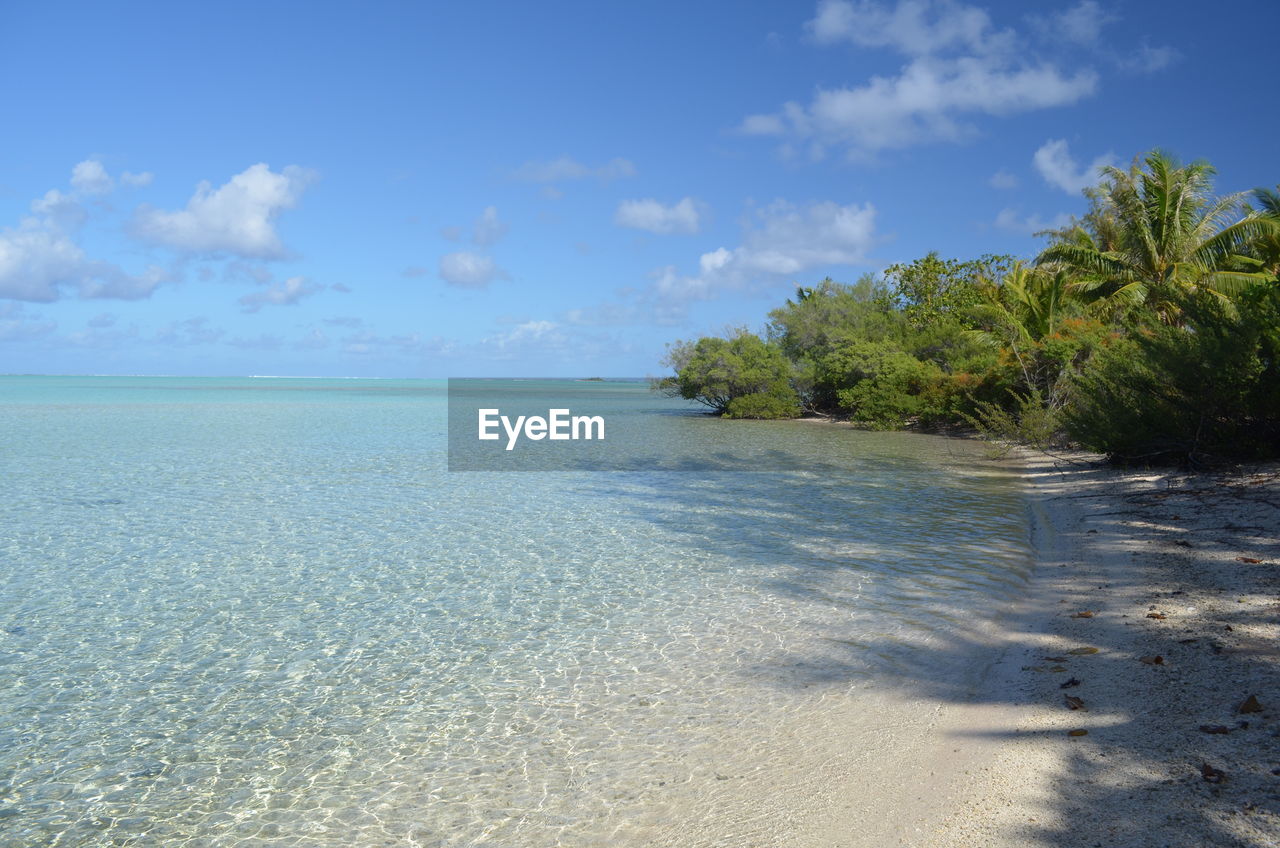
262 612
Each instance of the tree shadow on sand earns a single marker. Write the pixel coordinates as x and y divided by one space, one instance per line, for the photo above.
1166 546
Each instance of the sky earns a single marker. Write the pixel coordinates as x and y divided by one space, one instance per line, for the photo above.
557 188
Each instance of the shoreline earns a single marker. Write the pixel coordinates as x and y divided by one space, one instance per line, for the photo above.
1155 601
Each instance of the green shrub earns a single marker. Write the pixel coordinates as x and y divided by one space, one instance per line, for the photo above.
1024 420
716 371
763 406
889 388
1206 389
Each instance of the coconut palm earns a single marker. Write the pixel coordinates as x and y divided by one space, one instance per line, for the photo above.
1033 301
1027 305
1266 248
1156 232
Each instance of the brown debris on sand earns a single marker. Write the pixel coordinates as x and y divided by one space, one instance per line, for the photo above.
1186 568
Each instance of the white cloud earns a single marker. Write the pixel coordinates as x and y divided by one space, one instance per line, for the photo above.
40 257
33 262
136 180
1010 220
488 229
287 293
58 211
1079 24
786 240
1147 59
1054 162
763 125
791 239
959 67
914 27
237 218
470 270
566 168
1003 179
649 214
91 178
926 103
103 279
539 334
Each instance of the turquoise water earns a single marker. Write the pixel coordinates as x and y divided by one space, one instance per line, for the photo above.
260 611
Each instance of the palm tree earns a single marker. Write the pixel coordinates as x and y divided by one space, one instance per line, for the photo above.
1027 305
1266 248
1156 232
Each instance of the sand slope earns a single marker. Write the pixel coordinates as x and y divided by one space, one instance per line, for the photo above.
1162 561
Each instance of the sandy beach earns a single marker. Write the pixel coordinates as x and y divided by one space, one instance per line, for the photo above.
1137 698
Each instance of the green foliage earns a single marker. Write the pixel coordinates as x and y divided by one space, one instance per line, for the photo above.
931 287
1205 390
1028 420
887 388
716 372
1149 330
1155 232
1266 247
950 344
763 406
820 320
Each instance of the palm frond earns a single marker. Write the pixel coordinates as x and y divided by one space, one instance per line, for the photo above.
1218 250
1232 283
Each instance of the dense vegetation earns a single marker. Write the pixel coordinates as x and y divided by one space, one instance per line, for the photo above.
1148 330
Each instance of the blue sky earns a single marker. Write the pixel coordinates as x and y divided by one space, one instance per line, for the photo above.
556 189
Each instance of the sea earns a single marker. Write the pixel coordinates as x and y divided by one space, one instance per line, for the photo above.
264 611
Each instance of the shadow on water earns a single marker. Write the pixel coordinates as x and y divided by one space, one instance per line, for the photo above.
810 536
886 539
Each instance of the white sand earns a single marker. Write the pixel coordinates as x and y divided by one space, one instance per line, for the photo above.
998 768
